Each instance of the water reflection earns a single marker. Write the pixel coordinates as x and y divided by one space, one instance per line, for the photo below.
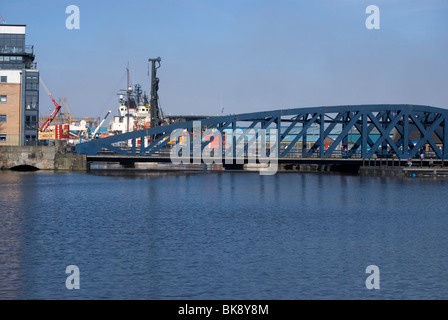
12 224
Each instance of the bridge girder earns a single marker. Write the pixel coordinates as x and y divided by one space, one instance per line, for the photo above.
362 131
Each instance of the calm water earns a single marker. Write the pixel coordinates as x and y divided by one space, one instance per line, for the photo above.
222 236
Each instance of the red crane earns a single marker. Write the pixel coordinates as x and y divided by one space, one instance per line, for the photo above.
2 20
55 112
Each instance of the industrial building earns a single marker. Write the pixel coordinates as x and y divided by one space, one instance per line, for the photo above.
19 88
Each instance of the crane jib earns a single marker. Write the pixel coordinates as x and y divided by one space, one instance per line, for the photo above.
53 115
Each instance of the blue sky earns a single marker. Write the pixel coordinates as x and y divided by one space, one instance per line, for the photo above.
245 55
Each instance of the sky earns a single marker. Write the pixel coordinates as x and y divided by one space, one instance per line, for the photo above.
239 55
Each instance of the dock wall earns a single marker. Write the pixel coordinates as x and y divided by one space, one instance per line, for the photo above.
41 157
404 171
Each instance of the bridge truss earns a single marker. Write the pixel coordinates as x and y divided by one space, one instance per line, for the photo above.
361 131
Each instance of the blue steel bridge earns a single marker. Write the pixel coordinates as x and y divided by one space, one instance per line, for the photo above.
321 133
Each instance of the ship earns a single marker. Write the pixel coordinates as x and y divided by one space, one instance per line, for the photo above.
137 118
137 111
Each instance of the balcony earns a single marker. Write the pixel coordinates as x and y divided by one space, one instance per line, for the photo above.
13 50
31 126
31 66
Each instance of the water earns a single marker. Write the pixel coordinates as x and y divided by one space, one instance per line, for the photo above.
221 236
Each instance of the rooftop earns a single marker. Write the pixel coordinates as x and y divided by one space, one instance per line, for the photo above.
12 25
12 29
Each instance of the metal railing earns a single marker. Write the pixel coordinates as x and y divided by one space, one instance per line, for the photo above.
27 49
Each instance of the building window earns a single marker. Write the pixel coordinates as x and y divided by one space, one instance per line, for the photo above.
31 86
30 140
3 99
31 123
2 118
2 137
31 102
3 79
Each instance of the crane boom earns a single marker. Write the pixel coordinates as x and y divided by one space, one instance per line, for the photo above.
2 20
98 128
55 112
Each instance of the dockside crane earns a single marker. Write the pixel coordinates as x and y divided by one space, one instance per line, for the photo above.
99 126
2 20
156 119
55 112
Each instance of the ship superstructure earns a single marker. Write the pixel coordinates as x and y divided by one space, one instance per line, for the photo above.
137 118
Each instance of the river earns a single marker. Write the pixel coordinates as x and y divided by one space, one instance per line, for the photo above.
229 235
